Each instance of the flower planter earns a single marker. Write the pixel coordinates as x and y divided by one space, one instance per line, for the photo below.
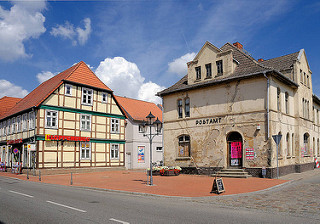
169 172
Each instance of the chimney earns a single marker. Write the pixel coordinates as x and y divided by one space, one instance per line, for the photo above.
238 45
260 60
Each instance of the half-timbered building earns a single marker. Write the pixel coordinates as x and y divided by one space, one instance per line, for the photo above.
70 120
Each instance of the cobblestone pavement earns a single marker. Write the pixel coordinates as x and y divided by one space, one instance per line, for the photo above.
299 197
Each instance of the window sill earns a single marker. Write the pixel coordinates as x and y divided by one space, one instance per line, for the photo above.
183 158
197 80
219 74
289 157
208 77
280 158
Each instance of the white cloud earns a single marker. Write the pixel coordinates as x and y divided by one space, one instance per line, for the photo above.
124 79
76 35
179 65
9 89
44 76
22 22
148 91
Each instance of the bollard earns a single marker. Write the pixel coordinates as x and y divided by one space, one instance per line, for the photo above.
39 175
27 174
71 182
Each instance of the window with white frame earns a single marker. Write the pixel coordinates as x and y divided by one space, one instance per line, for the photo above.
68 90
24 122
51 119
85 149
115 125
104 97
31 120
114 151
87 96
85 122
19 124
9 127
14 125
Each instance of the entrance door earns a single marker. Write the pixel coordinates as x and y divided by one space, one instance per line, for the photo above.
234 141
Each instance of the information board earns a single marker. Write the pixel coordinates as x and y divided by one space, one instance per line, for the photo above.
217 186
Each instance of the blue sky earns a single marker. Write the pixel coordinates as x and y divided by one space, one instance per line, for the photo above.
140 47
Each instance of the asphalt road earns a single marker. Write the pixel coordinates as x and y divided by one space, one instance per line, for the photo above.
31 202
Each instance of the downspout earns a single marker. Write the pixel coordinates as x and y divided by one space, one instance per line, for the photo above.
268 90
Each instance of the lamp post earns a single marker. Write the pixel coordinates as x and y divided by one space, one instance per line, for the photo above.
158 125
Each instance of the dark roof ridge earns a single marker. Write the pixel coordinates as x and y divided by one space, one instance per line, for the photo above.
282 56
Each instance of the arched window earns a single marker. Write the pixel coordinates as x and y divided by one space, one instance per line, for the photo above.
278 99
184 146
288 144
292 146
280 146
306 144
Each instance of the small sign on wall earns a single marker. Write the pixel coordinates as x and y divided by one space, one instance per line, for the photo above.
141 154
250 153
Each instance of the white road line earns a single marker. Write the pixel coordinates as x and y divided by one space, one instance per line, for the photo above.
30 196
79 210
116 220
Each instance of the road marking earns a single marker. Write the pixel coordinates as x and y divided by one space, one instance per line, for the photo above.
116 220
30 196
79 210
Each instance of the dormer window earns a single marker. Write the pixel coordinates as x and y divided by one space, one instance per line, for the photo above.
208 69
219 67
198 72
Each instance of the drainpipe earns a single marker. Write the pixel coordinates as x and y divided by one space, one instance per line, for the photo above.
268 89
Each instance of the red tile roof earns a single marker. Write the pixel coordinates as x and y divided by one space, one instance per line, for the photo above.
138 109
79 73
6 103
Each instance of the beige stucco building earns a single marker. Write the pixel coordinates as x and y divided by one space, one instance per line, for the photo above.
224 112
69 121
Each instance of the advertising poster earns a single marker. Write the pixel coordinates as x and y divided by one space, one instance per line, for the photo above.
236 150
249 153
141 154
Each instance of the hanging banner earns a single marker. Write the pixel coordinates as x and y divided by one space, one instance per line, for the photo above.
236 150
141 154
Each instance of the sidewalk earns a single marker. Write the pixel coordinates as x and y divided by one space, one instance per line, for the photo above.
136 181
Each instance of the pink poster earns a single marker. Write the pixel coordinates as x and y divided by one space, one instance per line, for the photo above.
236 150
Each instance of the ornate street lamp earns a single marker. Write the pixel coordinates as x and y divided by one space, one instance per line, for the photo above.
158 125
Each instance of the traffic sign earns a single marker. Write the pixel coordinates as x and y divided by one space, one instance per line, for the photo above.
277 138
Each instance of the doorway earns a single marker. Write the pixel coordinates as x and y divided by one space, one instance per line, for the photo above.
234 144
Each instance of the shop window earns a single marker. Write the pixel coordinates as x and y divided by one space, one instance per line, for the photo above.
219 67
51 119
85 122
184 146
287 102
3 154
187 107
31 120
104 97
114 151
68 91
180 108
85 148
209 71
198 72
87 96
115 123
